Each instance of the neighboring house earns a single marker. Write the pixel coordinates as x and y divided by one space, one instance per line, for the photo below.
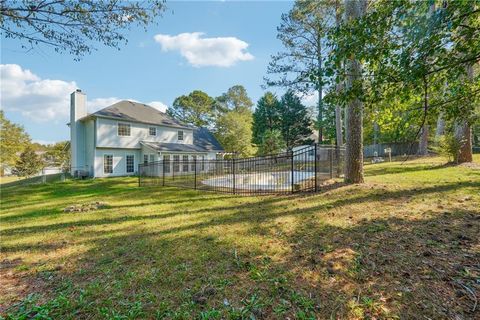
115 140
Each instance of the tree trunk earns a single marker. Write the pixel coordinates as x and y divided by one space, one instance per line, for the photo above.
463 131
320 115
338 108
440 131
354 9
338 121
320 90
423 143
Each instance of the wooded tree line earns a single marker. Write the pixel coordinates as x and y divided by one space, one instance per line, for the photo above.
390 70
26 158
274 126
383 71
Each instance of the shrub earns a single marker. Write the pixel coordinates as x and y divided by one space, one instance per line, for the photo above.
448 146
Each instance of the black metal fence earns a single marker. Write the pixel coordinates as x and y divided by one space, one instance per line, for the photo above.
303 169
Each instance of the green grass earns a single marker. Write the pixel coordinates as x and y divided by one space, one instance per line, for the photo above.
405 245
8 179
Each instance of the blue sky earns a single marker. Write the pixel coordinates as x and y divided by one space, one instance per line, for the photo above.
170 59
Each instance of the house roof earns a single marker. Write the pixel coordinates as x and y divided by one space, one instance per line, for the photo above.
173 147
203 140
138 112
202 137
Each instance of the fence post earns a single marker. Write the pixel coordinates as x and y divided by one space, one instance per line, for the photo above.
233 171
330 153
163 180
316 169
292 174
195 172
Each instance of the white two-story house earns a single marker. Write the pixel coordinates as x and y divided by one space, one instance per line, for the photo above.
115 140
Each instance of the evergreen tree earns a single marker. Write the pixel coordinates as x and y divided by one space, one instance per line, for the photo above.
28 164
295 124
266 117
300 66
272 142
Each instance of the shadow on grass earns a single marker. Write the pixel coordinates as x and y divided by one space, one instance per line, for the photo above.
371 268
268 209
375 268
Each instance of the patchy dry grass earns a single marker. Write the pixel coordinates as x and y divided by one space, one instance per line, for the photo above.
8 179
406 244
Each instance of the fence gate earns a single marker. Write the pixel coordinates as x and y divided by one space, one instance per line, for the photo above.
303 170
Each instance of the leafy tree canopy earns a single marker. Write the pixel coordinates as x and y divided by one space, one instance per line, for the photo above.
13 139
196 108
71 26
234 132
28 164
235 99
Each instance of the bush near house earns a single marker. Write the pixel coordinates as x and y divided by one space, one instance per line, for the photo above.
403 245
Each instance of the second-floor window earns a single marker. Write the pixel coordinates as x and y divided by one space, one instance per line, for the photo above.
180 135
152 131
123 129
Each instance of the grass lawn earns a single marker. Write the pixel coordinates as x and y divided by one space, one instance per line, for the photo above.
8 179
406 244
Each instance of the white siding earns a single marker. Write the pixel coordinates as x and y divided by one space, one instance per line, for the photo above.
119 161
107 136
89 145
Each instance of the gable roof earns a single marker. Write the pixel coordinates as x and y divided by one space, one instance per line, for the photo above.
138 112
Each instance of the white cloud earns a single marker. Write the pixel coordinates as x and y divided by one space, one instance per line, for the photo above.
44 100
35 98
200 51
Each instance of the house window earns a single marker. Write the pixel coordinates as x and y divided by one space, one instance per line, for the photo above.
124 129
152 158
176 164
145 159
107 163
192 164
130 163
166 163
152 131
180 135
185 163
